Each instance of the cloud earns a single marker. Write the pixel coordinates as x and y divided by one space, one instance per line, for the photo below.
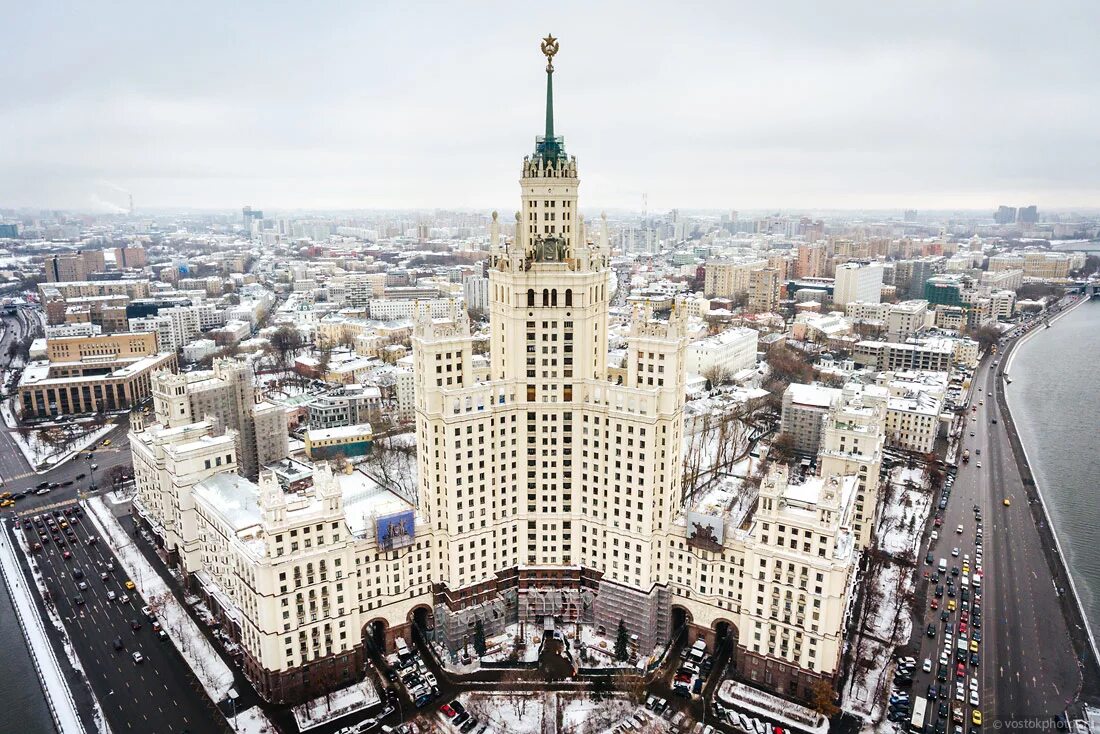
709 104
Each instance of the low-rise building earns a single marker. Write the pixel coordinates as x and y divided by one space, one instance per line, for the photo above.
347 441
729 351
91 374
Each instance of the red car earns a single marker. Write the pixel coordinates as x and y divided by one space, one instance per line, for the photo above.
962 628
447 710
66 555
938 522
960 670
935 603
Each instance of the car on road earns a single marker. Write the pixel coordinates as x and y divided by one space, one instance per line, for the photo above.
1007 502
66 555
976 717
40 492
927 666
129 585
80 476
111 595
955 552
118 643
78 599
972 434
959 529
135 625
138 659
931 631
979 465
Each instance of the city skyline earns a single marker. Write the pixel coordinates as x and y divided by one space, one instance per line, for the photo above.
707 108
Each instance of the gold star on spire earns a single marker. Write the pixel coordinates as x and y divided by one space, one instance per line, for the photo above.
549 48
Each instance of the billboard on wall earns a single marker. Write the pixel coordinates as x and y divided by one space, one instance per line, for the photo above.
705 531
396 531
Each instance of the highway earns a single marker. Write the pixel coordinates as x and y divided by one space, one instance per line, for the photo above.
158 694
1027 665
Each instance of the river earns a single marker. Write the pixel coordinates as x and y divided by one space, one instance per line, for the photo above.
1056 407
20 689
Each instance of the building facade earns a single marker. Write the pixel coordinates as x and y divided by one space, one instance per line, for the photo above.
225 395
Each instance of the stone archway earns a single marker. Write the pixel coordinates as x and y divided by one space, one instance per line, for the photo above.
375 635
680 620
421 619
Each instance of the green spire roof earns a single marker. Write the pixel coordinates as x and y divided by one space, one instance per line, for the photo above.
548 145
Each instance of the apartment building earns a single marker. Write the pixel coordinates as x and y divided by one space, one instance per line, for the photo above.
345 406
76 266
918 354
225 395
852 441
730 278
763 290
857 281
728 352
803 414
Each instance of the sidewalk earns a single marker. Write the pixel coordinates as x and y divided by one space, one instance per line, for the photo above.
154 581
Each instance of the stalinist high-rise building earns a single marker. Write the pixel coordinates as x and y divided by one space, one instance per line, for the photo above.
548 476
554 494
549 493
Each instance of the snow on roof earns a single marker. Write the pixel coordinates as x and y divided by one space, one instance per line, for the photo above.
365 500
817 396
234 497
353 431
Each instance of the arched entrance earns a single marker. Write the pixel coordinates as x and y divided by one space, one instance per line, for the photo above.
422 619
374 635
725 643
680 620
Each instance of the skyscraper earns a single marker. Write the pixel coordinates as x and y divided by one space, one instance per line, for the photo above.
531 477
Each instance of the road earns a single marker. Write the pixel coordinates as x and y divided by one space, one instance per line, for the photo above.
155 695
1027 666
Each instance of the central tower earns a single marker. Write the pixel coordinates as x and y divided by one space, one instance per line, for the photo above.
549 486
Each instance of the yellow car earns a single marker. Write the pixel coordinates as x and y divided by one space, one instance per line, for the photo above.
129 585
1007 502
7 503
950 605
973 646
976 717
107 442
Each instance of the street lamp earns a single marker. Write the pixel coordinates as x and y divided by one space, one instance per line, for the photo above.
233 697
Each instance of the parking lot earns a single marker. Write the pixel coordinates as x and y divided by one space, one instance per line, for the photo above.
153 692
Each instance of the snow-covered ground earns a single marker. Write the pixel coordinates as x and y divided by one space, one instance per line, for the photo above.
904 512
323 709
52 677
209 668
887 619
508 713
253 721
38 451
581 714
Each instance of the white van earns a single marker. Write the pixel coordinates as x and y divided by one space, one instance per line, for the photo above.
943 565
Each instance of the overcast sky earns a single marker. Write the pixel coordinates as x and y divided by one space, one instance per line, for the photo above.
725 104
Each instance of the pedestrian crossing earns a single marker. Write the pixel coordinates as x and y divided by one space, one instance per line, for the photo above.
47 508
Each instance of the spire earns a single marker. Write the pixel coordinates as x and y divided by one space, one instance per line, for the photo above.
549 47
549 146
